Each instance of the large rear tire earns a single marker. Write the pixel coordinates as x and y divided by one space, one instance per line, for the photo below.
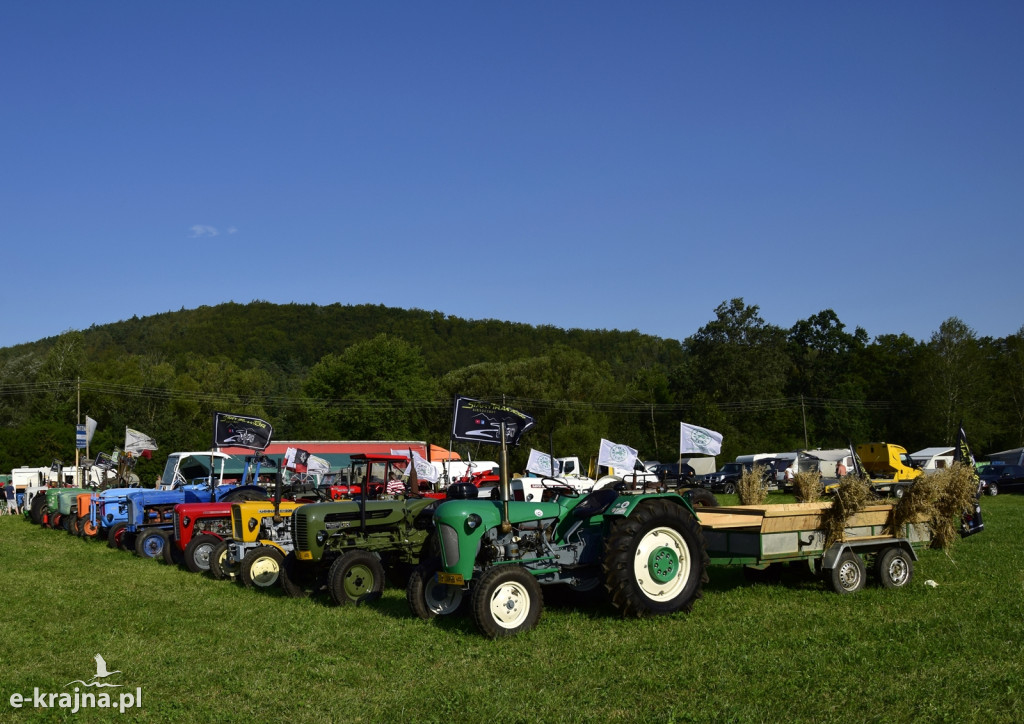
426 597
355 577
506 600
198 552
36 509
655 560
701 498
261 567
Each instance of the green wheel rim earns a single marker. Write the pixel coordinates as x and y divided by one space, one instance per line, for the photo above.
663 564
358 581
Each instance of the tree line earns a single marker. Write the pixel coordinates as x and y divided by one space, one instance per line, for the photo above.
366 372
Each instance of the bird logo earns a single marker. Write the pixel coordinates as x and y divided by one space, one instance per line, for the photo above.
101 673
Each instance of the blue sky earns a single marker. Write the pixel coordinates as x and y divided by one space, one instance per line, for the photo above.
579 164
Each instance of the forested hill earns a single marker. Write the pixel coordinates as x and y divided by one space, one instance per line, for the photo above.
291 336
372 372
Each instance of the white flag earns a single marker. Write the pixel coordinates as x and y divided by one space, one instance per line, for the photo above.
693 439
90 429
425 470
619 457
136 442
317 465
540 463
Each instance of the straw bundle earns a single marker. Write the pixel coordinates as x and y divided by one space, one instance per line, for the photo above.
848 499
751 487
957 487
807 486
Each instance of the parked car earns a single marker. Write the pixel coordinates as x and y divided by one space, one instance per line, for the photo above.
997 479
681 475
724 480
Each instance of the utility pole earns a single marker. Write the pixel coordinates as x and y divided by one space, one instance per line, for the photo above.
803 412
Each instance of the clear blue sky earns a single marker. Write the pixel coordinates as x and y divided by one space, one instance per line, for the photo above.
580 164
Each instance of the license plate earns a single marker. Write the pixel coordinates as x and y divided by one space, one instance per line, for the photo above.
451 579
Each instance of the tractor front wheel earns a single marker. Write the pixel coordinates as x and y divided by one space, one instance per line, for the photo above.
221 565
655 560
116 534
427 598
89 529
150 543
198 552
261 567
36 510
355 577
507 600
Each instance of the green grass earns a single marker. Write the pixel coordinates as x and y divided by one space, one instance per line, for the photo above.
206 650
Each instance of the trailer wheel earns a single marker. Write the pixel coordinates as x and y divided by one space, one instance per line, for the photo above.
427 598
894 568
221 565
655 560
198 552
297 579
150 543
506 600
355 577
261 567
848 574
116 534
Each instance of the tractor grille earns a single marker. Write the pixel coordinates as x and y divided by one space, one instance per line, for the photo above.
131 512
299 531
177 525
449 545
236 523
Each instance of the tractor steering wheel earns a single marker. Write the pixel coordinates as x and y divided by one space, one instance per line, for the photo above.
559 487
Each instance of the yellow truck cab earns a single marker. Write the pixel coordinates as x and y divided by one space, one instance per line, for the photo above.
887 462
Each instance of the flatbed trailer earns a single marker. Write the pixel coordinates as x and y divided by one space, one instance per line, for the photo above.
760 535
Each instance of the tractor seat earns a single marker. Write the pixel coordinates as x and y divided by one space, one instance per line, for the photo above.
595 503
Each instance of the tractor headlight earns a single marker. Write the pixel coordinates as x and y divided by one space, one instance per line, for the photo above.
186 522
321 536
473 521
252 524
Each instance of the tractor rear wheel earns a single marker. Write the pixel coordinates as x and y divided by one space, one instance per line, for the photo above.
701 498
35 510
198 552
427 598
355 577
655 560
221 565
506 600
73 526
261 567
150 543
297 579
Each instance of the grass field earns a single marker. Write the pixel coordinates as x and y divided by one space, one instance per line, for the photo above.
209 651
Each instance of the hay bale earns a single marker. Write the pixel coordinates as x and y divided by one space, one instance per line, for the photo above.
917 503
751 487
807 486
848 499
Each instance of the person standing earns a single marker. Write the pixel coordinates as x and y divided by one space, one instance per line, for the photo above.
12 499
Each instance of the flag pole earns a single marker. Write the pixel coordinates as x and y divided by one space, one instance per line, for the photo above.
506 525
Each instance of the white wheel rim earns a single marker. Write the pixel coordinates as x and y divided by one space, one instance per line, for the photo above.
201 556
510 604
849 575
898 571
657 542
264 571
442 599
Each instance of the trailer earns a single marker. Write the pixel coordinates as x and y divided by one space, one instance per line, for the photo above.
758 536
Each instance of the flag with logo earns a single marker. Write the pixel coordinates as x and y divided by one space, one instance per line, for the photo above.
317 465
241 431
696 439
542 464
138 443
479 421
425 470
296 459
619 457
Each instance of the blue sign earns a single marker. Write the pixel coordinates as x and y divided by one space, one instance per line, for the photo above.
80 441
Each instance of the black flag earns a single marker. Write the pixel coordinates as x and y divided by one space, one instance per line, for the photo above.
478 421
241 431
971 521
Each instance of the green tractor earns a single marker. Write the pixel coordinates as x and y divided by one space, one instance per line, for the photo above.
349 546
646 551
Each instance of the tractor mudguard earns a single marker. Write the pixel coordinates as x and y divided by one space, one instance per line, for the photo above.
624 505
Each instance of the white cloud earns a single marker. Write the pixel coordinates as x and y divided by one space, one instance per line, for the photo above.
232 230
203 230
